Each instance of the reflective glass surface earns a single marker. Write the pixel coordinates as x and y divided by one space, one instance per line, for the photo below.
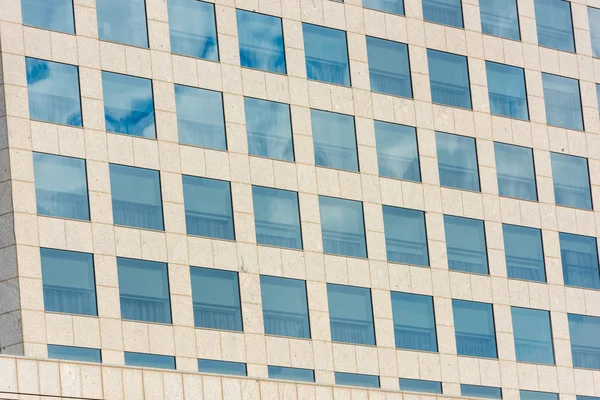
414 322
486 392
474 327
346 379
579 255
585 347
397 154
222 367
200 118
563 104
342 227
524 253
269 129
530 395
55 15
418 385
405 236
350 314
291 374
285 309
445 12
149 360
389 71
579 397
506 88
516 175
449 79
465 244
571 181
500 18
193 29
261 41
594 19
334 139
390 6
122 21
69 353
457 161
533 335
326 53
554 24
276 217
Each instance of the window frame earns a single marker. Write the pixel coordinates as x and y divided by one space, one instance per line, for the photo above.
504 37
468 78
475 152
408 72
129 44
347 55
541 247
364 230
552 347
377 122
537 192
485 240
280 278
589 181
216 36
54 30
427 252
434 320
462 17
493 321
525 97
575 50
368 289
583 127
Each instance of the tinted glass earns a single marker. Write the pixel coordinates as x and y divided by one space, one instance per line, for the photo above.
417 385
579 397
53 92
554 24
506 87
563 104
405 236
69 353
571 181
208 207
594 19
390 6
579 256
200 118
269 129
193 29
533 335
346 379
285 310
397 154
474 327
68 280
457 161
446 12
342 227
414 322
222 367
261 41
514 167
276 217
149 360
529 395
334 138
61 186
56 15
144 290
524 253
388 67
350 314
216 297
585 347
291 374
136 198
449 79
326 54
122 21
465 244
500 18
485 392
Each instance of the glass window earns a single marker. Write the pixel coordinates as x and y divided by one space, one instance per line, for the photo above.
405 236
579 256
193 29
53 92
216 298
276 217
457 161
449 79
563 104
414 322
594 19
500 18
533 335
418 385
291 374
397 154
465 244
122 21
474 327
585 347
524 253
149 360
61 186
55 16
334 138
506 88
579 397
326 53
342 227
445 12
529 395
388 67
269 129
208 209
222 367
136 198
350 314
390 6
571 181
144 290
554 24
200 118
69 353
261 41
346 379
516 175
68 280
285 309
486 392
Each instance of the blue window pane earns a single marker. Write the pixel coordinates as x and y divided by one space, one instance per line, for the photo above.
417 385
579 256
122 21
524 253
594 19
200 118
149 360
342 227
388 67
334 139
291 374
485 392
69 353
326 53
529 395
144 290
261 41
500 18
68 280
449 79
56 15
506 87
390 6
554 24
346 379
465 244
350 314
216 298
571 181
414 322
193 29
277 217
128 105
457 161
53 91
514 167
269 129
222 367
474 327
579 397
136 198
533 335
208 209
445 12
397 154
405 236
285 309
563 104
61 186
585 347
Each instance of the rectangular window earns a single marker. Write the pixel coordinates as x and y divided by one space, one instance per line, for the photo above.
562 100
326 52
500 18
285 308
342 227
579 256
55 16
594 19
193 29
474 327
414 322
68 281
529 395
276 217
69 353
269 129
389 71
261 41
136 198
222 367
524 253
347 379
389 6
579 397
420 386
144 290
445 12
122 21
291 374
350 314
571 181
200 117
449 79
334 138
53 92
128 105
216 298
465 244
485 392
457 161
61 186
533 335
554 24
516 175
208 209
405 236
585 347
149 360
506 88
397 154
